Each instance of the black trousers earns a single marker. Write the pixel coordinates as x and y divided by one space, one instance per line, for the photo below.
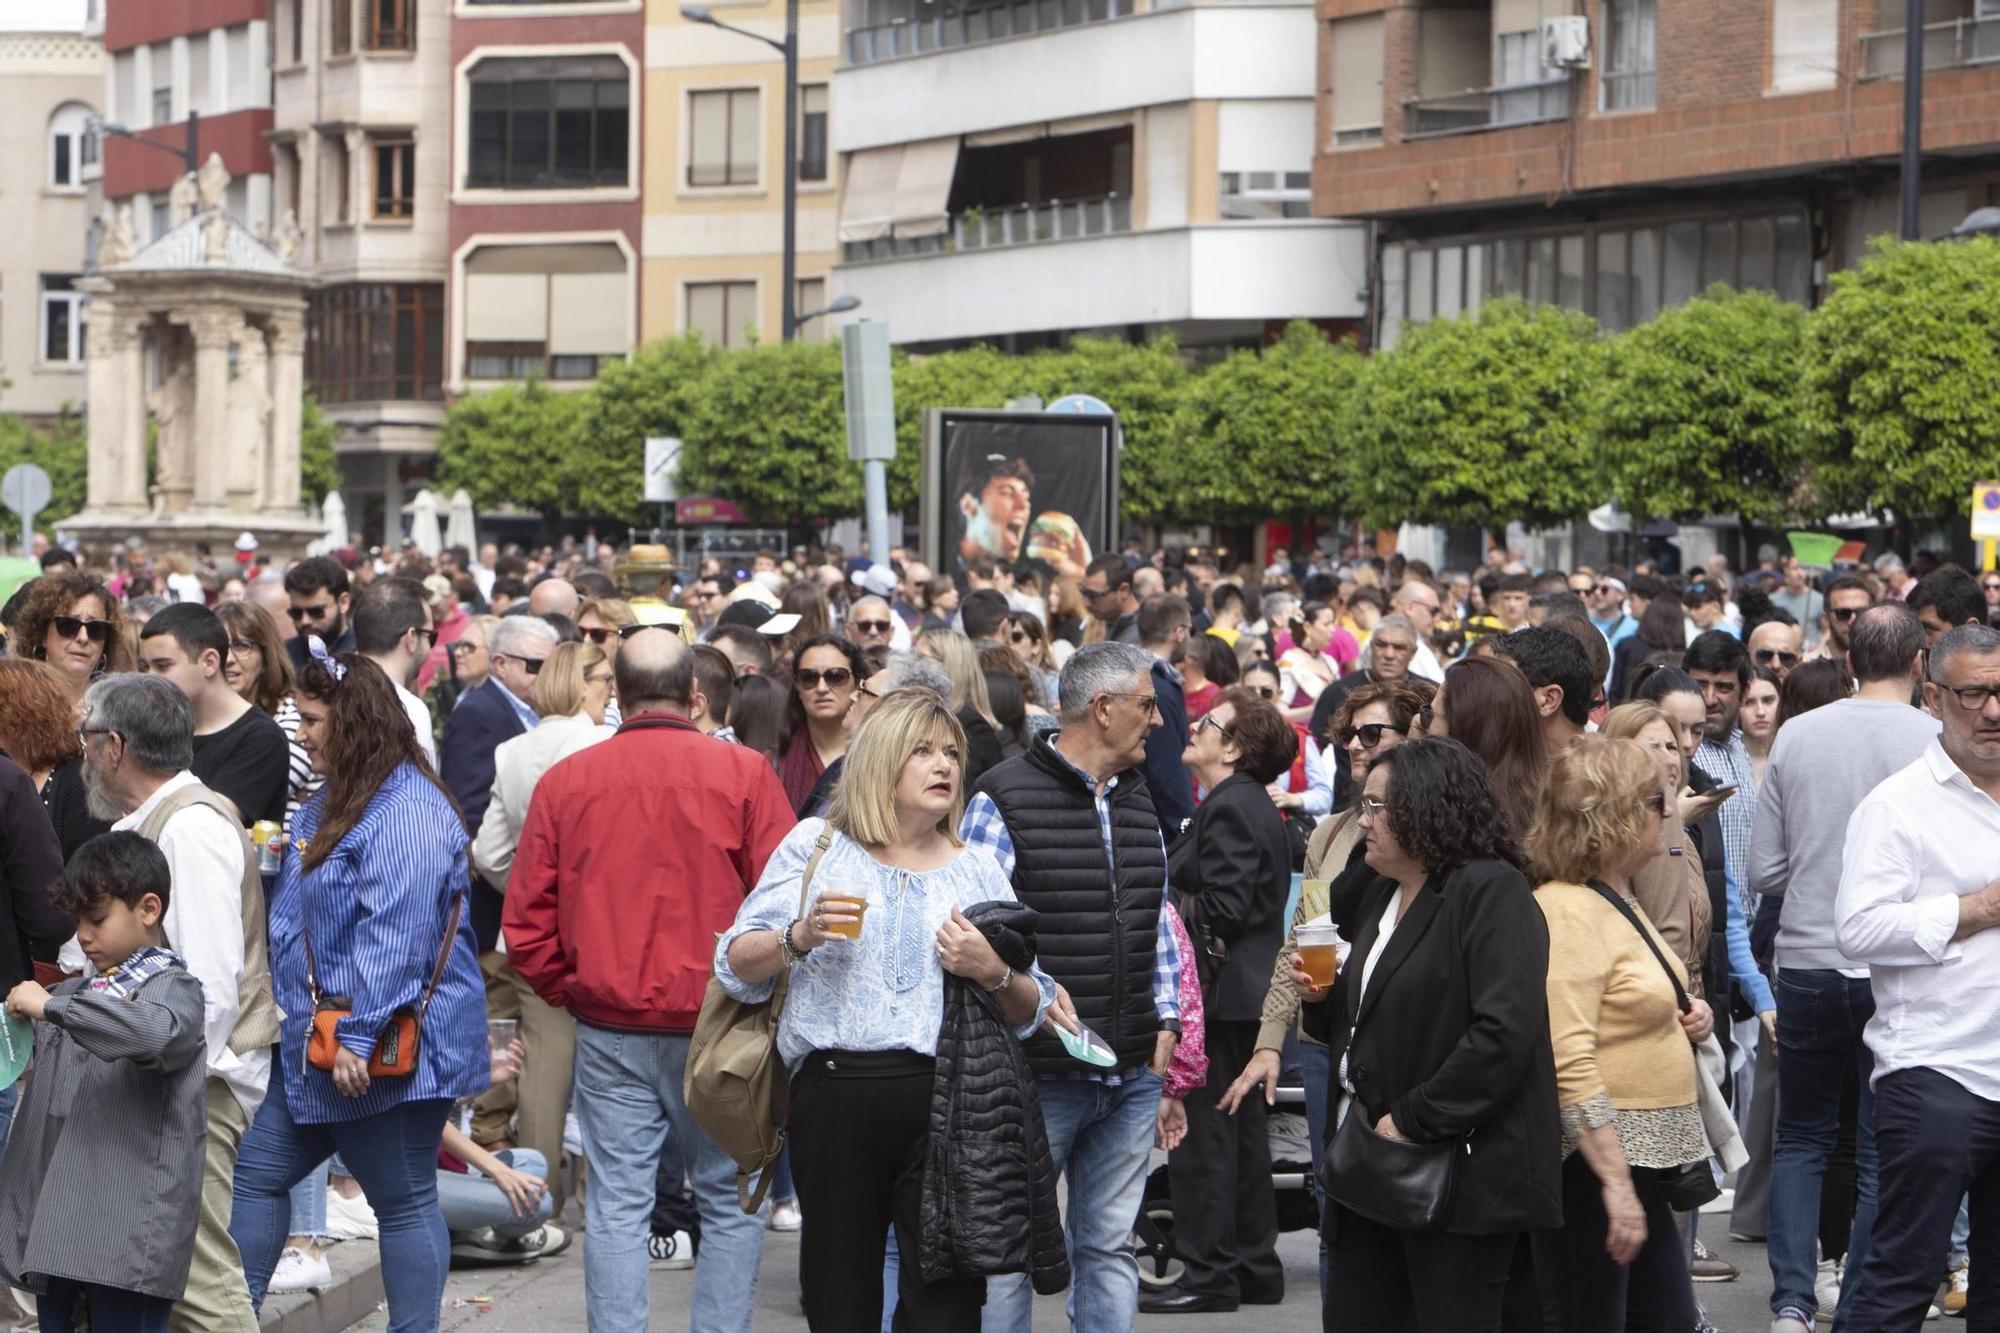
673 1201
1583 1291
1379 1280
1225 1214
860 1125
1937 1141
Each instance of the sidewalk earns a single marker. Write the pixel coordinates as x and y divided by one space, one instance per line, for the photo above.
354 1295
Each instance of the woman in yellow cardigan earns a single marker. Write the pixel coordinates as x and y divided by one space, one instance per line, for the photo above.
1625 1072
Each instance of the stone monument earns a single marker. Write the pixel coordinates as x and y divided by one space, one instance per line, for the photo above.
200 334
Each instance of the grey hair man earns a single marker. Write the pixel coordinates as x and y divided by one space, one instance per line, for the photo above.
1074 826
1419 603
1919 904
138 734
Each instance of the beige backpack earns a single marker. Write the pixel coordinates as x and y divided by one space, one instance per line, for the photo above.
736 1085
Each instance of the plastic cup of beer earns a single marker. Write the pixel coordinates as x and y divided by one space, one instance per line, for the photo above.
500 1033
1319 956
841 900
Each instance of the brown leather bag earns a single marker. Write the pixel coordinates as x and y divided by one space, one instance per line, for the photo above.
396 1044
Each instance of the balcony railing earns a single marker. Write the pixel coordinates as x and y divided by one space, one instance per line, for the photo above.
1948 45
972 26
1486 109
1018 224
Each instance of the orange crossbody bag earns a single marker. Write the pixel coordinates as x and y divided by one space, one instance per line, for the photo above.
396 1044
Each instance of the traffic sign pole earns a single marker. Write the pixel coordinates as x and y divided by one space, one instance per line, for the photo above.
25 489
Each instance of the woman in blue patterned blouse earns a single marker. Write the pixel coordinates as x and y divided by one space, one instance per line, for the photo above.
372 872
860 1028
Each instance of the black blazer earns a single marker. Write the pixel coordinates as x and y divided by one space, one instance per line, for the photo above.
1453 1039
1236 861
478 723
1166 775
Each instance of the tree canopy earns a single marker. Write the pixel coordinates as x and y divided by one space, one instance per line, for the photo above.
768 430
515 445
62 451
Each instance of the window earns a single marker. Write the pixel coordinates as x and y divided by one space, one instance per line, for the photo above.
1517 63
374 341
340 30
1805 45
1357 80
1630 53
558 312
392 25
163 106
395 178
63 320
337 183
295 14
1266 194
722 137
72 146
808 296
550 124
722 312
812 132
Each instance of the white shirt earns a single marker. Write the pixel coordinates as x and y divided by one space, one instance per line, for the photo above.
1424 664
1919 842
420 722
204 925
1390 916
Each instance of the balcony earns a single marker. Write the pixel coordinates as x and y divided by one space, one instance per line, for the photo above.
1486 109
1016 224
919 33
1953 44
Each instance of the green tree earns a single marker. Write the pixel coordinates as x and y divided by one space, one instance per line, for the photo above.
319 470
1261 427
1901 384
652 394
513 445
1146 385
1478 421
768 431
1697 412
62 450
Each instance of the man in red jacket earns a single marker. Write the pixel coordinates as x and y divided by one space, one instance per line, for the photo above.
636 854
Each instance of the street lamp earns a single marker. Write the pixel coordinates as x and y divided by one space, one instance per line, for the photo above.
841 305
789 49
190 154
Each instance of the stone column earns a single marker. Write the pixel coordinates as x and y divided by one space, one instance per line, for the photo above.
117 409
281 451
212 330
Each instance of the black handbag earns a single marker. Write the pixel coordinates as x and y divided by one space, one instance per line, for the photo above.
1690 1185
1399 1184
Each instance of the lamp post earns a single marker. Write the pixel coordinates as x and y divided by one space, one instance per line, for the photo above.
190 154
789 49
1913 115
839 306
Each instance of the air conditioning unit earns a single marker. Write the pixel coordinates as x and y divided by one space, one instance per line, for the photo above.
1566 42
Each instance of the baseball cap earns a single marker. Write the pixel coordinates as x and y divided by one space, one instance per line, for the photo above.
755 615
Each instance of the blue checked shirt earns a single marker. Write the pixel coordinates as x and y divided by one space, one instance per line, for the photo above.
983 826
1730 765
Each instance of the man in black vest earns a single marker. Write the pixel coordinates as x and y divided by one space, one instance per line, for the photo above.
1073 825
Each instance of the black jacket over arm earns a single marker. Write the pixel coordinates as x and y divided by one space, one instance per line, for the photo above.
31 860
1236 865
1166 774
1453 1039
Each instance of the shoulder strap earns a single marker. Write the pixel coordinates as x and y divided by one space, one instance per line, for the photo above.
438 966
1611 896
784 981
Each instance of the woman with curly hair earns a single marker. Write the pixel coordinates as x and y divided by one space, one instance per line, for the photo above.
38 721
72 622
1438 1030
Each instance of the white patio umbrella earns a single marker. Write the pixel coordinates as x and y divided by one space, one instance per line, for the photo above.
333 510
423 513
459 527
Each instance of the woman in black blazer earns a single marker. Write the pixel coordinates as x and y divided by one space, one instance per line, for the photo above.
1231 873
1438 1030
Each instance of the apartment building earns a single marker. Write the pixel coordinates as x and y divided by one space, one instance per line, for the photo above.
715 170
1016 171
54 75
1673 144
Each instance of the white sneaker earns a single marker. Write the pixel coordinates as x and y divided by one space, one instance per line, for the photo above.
350 1219
785 1216
572 1135
298 1271
1826 1285
675 1251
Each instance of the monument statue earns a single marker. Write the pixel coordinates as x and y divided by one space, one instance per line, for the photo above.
181 200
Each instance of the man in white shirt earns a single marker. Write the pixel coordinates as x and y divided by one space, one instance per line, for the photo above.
1419 602
1919 903
393 629
138 736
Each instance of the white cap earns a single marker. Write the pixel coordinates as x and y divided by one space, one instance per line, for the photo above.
246 542
878 580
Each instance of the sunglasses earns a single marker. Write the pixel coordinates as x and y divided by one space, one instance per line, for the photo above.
70 626
1845 613
1991 586
1766 656
299 613
463 649
871 626
599 635
532 665
1263 691
835 677
1092 594
1370 734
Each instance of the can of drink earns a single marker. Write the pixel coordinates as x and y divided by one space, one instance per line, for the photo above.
270 847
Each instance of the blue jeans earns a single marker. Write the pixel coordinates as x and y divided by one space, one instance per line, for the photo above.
470 1200
309 1204
10 1097
1821 1015
1101 1138
1961 1238
628 1099
393 1154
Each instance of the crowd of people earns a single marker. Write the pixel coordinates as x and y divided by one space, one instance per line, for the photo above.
383 895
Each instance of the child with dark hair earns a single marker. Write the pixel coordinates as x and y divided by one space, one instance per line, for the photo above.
101 1183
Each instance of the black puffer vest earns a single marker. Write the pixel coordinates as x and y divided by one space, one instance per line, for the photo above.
1097 925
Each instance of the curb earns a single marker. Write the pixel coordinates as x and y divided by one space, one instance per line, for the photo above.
355 1293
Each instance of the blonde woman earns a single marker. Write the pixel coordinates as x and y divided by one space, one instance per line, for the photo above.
884 923
1625 1063
604 622
969 698
1670 888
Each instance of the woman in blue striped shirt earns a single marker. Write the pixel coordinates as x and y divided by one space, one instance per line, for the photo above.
374 876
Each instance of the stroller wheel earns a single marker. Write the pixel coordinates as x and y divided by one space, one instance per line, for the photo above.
1153 1242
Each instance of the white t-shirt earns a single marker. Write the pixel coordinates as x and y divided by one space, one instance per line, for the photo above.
420 722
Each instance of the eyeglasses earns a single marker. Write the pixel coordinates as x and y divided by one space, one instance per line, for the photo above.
1370 734
299 613
430 634
83 734
862 691
243 648
871 626
1148 703
835 677
1844 613
1766 656
71 626
1972 698
1208 723
1371 808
